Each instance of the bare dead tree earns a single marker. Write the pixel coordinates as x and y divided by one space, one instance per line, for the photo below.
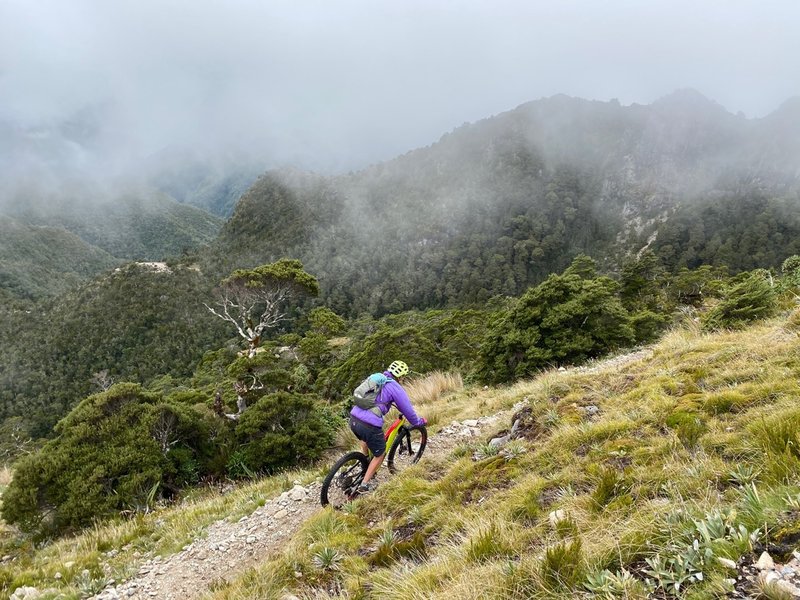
218 404
254 300
164 430
102 380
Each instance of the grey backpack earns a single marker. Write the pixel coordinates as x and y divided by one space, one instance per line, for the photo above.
368 391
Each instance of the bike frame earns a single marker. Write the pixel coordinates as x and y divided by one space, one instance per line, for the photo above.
390 434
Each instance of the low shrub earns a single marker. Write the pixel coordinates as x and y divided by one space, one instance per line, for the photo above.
284 429
751 299
120 450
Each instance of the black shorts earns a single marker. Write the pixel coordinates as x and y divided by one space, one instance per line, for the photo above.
370 434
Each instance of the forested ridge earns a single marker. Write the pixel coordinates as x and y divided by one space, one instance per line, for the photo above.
496 206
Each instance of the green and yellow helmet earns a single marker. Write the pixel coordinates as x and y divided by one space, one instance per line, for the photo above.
398 368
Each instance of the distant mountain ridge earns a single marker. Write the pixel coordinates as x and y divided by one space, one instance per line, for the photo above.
84 232
36 261
495 206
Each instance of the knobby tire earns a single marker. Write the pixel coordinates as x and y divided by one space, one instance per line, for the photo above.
407 448
343 479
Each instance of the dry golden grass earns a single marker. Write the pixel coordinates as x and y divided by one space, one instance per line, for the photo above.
433 386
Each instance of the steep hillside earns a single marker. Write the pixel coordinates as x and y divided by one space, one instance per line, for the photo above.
664 473
137 323
37 261
140 225
495 206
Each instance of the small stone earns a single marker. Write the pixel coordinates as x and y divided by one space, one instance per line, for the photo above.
499 441
470 423
281 513
771 577
298 493
727 562
58 575
69 564
24 592
6 558
556 517
251 539
788 587
765 562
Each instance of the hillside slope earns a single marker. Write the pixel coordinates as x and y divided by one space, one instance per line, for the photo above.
137 225
495 206
136 323
678 464
36 261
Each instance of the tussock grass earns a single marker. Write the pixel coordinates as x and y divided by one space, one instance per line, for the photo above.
433 386
160 533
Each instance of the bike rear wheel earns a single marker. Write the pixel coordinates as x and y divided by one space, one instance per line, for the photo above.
407 448
340 484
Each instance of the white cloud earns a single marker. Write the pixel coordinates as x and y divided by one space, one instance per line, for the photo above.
349 82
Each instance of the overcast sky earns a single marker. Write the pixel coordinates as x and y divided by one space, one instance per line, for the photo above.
335 84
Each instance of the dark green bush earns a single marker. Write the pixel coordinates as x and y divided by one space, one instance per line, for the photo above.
566 319
750 299
118 450
283 429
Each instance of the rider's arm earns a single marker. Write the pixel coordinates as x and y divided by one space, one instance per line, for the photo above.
403 404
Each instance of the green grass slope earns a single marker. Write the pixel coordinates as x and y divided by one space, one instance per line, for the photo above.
688 456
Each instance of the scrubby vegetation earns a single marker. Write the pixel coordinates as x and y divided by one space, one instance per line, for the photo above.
689 458
243 414
642 498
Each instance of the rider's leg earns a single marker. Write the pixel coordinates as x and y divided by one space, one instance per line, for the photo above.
374 465
372 440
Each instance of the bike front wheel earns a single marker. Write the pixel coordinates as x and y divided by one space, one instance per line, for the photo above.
407 448
340 484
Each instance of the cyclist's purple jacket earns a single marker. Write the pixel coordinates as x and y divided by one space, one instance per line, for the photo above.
392 393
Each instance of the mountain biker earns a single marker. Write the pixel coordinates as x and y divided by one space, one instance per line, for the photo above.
367 425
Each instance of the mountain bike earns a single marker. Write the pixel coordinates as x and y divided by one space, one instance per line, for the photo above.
406 445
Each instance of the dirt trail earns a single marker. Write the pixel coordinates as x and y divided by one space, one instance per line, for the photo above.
228 549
